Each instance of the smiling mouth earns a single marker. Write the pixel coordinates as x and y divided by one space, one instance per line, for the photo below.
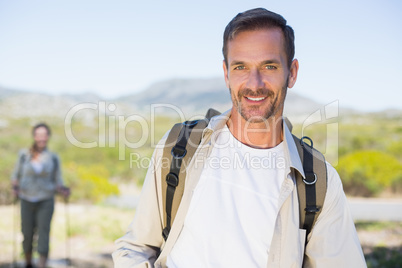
256 99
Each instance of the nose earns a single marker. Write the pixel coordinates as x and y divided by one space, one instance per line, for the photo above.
254 80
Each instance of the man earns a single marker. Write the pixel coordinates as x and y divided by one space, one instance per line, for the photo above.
240 206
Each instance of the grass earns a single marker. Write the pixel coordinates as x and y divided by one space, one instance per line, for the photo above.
384 257
377 226
382 243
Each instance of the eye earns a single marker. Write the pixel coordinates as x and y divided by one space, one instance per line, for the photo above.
240 67
270 67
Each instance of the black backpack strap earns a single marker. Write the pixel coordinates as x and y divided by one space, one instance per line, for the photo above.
188 136
180 146
311 190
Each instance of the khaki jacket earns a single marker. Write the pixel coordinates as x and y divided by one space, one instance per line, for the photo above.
333 242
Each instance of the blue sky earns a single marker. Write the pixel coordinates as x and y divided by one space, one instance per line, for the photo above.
348 50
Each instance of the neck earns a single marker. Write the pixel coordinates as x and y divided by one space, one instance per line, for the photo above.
262 135
38 150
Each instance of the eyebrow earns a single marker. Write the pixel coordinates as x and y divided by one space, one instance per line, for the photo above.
273 61
270 62
236 63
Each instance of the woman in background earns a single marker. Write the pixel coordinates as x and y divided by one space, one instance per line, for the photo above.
36 179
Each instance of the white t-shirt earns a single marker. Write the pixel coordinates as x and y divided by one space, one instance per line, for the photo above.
232 214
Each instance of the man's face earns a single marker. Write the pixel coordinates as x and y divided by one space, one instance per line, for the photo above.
257 74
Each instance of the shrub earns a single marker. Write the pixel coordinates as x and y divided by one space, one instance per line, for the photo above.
89 182
367 173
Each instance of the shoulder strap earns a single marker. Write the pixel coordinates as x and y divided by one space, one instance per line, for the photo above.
311 190
20 164
180 146
211 113
55 166
22 158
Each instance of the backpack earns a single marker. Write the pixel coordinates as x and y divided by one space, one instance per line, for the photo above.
181 144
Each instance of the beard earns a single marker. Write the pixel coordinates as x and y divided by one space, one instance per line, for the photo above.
259 113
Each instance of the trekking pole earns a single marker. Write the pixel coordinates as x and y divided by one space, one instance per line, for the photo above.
15 213
68 261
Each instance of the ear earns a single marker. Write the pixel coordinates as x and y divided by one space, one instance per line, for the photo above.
294 69
225 71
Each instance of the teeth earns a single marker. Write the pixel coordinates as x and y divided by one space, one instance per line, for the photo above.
255 99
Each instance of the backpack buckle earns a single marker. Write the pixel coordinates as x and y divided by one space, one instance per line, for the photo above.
172 179
190 123
178 152
312 209
311 178
302 142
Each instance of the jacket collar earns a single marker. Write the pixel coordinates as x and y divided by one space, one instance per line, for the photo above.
218 122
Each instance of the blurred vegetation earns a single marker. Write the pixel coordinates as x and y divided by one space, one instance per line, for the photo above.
377 225
369 172
384 257
89 182
384 248
366 150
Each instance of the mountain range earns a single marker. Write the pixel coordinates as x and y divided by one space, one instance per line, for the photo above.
191 96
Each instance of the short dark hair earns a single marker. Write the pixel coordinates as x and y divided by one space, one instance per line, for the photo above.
39 125
256 19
